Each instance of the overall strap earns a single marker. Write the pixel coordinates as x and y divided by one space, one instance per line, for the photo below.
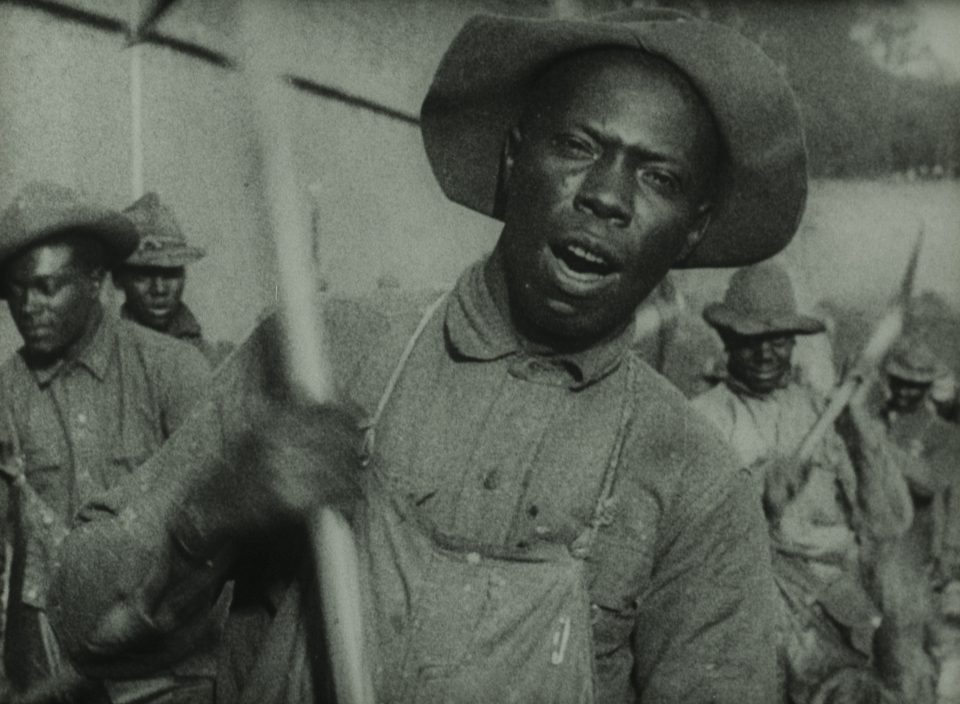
370 424
603 510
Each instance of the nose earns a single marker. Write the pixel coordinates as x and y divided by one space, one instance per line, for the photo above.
158 285
768 351
607 192
31 301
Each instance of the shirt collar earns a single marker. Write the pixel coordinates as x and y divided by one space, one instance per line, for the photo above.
92 354
183 324
477 328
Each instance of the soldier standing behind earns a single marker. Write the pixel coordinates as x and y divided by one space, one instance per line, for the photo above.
932 547
933 444
831 518
84 402
153 278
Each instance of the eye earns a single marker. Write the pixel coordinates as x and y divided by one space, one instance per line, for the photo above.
573 146
663 181
782 345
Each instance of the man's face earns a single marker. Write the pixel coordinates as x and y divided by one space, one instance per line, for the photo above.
51 298
152 293
762 363
906 396
607 182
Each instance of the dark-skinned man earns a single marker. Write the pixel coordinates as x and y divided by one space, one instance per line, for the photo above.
153 278
911 418
932 445
83 403
541 517
831 517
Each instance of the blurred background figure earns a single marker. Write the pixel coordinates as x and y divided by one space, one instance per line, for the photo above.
831 514
655 323
932 445
154 277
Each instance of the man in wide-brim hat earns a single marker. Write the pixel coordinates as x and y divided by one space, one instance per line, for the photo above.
912 371
543 517
933 445
153 278
820 511
83 402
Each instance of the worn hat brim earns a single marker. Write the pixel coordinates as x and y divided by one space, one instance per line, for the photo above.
478 94
117 234
723 317
914 376
169 259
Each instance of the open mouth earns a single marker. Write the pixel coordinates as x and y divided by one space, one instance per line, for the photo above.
581 262
30 328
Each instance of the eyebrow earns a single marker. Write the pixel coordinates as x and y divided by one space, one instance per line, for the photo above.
647 153
59 274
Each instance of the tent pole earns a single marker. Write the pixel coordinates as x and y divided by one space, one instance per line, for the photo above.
136 105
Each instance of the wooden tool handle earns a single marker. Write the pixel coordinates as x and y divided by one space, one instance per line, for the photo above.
311 377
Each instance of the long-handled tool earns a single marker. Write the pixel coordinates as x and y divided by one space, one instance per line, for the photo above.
885 333
309 371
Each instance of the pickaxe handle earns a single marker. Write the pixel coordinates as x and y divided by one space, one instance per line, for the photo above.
312 378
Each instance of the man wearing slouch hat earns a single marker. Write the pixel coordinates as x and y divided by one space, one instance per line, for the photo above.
837 517
540 516
154 276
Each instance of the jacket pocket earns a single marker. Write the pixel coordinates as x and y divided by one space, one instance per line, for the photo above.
621 565
128 455
46 471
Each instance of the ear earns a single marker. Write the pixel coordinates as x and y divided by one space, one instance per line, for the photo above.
697 231
96 277
508 159
511 151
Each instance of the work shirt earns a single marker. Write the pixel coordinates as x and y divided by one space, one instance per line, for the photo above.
85 423
932 468
499 443
821 522
761 426
927 437
185 326
827 533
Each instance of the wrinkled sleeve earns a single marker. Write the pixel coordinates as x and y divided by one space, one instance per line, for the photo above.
127 599
705 631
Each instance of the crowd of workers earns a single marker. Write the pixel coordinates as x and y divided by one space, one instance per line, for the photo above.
540 516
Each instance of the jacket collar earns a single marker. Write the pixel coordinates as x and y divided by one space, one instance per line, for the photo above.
92 352
184 323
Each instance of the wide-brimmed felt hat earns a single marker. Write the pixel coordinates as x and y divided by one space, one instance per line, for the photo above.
42 210
162 242
479 89
760 301
912 360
